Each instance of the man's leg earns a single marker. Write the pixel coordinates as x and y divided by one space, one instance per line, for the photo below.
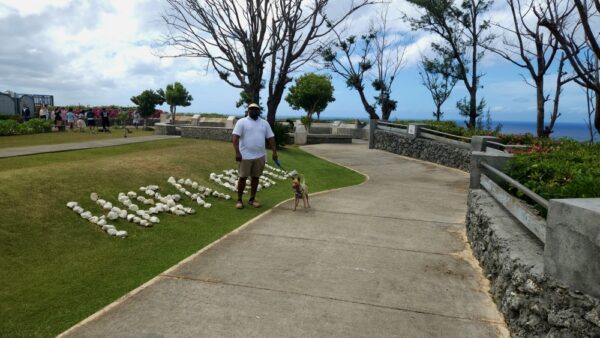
241 187
253 188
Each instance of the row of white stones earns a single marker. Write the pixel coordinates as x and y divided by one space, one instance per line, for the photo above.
229 180
201 192
99 220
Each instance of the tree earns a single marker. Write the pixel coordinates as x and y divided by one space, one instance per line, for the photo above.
575 42
354 62
532 48
439 77
389 60
312 93
177 95
147 102
462 32
239 39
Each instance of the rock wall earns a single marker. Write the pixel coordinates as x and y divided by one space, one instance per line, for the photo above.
423 149
534 304
166 129
207 133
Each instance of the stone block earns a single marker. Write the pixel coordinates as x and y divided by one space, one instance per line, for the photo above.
572 251
478 142
230 122
496 160
300 134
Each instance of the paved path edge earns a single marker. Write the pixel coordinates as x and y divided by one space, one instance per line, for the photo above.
156 278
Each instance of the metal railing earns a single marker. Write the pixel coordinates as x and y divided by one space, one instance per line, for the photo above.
537 198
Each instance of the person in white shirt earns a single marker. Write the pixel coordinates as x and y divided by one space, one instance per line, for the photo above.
44 112
249 135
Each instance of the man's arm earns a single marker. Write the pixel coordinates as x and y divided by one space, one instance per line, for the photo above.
271 142
236 147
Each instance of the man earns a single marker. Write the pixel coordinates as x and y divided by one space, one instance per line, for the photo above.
249 137
26 113
91 120
105 120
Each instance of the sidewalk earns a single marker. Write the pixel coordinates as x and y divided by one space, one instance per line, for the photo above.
53 148
385 258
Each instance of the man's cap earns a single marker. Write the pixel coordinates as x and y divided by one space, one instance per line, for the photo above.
253 105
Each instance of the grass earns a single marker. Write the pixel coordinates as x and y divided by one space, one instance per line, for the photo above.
65 137
57 269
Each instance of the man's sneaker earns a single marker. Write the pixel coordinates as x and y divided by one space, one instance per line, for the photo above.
254 203
239 205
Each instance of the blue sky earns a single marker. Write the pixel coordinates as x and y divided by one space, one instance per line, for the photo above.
103 54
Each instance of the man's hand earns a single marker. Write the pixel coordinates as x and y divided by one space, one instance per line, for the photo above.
238 157
275 158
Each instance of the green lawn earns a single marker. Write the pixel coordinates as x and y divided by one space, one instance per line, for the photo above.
65 137
57 268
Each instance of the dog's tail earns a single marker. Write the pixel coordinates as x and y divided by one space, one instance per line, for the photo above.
303 183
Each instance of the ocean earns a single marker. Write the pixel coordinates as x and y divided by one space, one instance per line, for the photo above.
577 131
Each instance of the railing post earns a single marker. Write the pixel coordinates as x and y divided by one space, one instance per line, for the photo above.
496 160
478 142
372 127
572 249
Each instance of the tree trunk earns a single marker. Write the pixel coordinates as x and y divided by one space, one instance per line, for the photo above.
472 108
272 104
597 93
438 112
370 110
539 87
173 109
597 112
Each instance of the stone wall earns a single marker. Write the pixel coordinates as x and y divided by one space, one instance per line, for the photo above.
423 149
207 133
166 129
534 304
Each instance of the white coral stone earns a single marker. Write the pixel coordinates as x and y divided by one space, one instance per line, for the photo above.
121 233
94 196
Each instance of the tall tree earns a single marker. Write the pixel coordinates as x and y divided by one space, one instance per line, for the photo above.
353 63
389 60
463 31
241 39
528 45
575 42
177 95
439 77
147 102
312 93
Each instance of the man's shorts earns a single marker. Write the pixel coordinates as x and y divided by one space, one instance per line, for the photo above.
252 168
91 123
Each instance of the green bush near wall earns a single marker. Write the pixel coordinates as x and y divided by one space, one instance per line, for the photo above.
563 169
33 126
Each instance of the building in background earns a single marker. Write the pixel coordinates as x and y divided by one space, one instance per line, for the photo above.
12 103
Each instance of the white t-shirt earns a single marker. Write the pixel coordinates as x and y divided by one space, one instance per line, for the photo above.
252 137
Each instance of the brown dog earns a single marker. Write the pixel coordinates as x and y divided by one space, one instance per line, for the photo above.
300 192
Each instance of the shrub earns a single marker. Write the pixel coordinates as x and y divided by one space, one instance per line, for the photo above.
281 134
33 126
564 169
9 127
17 118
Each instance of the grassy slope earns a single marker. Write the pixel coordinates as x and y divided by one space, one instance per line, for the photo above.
64 137
58 269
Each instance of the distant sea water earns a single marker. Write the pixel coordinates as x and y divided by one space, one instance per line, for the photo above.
577 131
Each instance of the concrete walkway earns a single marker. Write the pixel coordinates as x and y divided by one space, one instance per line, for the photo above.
53 148
385 258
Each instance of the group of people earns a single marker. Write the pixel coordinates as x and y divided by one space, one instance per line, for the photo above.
67 118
